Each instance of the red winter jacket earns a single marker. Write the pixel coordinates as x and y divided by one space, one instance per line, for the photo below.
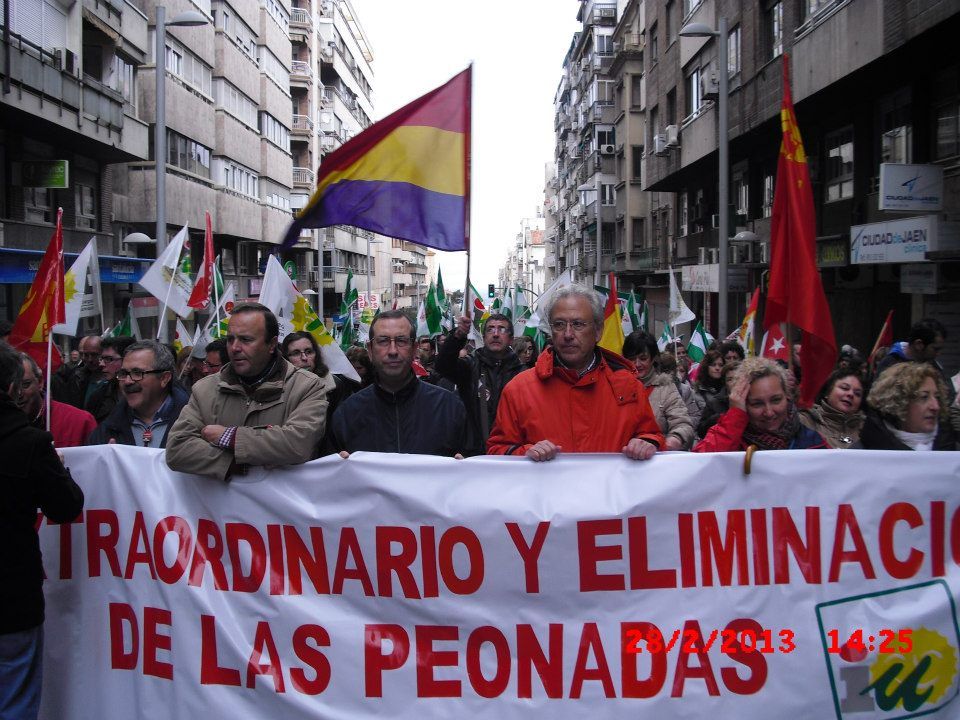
70 426
599 412
727 435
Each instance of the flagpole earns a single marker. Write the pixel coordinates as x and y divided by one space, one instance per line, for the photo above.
468 150
163 313
216 293
49 375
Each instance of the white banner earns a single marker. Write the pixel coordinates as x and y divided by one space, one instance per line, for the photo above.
419 587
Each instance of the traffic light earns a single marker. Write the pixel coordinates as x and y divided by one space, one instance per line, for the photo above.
490 289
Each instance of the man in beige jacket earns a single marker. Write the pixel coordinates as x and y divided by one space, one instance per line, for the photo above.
258 410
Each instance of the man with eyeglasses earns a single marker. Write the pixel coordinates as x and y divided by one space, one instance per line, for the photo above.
258 410
69 426
215 357
480 377
398 413
151 401
105 398
579 397
75 385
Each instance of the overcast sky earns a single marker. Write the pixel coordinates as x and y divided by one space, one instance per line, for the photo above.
517 50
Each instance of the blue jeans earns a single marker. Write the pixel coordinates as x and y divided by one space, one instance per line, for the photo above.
21 672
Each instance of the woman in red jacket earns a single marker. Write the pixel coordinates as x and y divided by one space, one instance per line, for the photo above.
762 413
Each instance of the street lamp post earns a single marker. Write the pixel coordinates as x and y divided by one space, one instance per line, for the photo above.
723 147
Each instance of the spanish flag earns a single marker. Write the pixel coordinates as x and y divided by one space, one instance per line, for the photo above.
407 176
44 305
612 337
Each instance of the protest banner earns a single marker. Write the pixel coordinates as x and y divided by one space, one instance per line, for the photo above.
821 585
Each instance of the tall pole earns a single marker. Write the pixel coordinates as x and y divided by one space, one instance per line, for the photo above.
599 273
160 145
368 267
723 147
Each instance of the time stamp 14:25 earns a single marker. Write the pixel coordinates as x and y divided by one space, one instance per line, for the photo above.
857 643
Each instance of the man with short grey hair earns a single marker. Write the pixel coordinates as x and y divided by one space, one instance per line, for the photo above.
579 397
150 401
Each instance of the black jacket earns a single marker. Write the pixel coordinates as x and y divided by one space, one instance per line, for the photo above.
118 424
31 477
477 375
876 436
69 385
421 418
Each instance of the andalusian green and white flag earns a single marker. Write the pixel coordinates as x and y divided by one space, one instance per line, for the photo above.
165 280
645 316
127 327
476 310
699 342
350 296
507 307
433 314
666 337
521 311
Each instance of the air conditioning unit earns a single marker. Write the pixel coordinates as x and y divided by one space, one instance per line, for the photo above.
714 256
673 136
764 253
608 149
67 61
703 255
660 144
709 86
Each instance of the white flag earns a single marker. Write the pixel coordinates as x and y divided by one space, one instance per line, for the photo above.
538 319
294 313
216 326
81 290
164 280
678 312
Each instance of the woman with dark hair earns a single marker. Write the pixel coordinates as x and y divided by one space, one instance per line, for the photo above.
360 359
709 383
641 349
526 350
762 414
836 414
908 410
716 404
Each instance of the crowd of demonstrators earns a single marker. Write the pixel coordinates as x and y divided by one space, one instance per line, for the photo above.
151 400
663 391
480 377
427 358
398 412
33 477
259 410
579 397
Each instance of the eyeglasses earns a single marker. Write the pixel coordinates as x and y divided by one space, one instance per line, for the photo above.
497 330
559 326
301 353
401 341
136 374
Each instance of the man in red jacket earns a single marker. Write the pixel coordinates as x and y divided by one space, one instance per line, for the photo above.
69 426
579 397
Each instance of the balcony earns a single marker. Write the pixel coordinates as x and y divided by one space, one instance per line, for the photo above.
301 71
300 19
647 258
302 177
302 125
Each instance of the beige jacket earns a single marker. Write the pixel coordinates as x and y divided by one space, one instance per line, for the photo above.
281 422
669 409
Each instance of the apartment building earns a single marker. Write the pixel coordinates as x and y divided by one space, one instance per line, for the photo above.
69 108
875 85
526 260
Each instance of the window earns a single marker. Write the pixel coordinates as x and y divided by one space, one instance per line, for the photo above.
608 195
689 6
85 206
230 98
684 214
639 241
773 28
276 195
669 24
733 52
234 176
237 31
692 99
36 205
184 153
636 91
839 170
604 44
768 194
122 76
276 11
741 193
654 45
274 69
671 118
896 139
636 162
606 136
41 22
187 67
809 9
654 125
274 131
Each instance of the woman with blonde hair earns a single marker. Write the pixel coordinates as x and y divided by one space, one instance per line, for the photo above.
762 413
908 410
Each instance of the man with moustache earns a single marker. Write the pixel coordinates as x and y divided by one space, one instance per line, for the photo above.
150 401
579 397
398 413
258 410
480 377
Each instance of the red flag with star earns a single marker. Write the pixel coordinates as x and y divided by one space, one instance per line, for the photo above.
44 305
774 345
795 292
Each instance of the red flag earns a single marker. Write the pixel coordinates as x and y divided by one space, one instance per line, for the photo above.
774 345
796 293
884 339
44 305
612 337
200 297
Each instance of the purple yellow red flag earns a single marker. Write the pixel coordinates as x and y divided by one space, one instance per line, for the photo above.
795 292
407 176
44 305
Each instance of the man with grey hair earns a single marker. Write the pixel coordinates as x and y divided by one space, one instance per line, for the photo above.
150 401
579 397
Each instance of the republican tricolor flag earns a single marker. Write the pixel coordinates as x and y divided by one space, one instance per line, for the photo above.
406 176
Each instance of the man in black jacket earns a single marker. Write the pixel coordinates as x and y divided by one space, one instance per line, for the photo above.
151 401
398 413
480 377
31 477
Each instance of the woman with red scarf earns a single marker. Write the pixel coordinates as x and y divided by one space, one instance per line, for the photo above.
762 413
